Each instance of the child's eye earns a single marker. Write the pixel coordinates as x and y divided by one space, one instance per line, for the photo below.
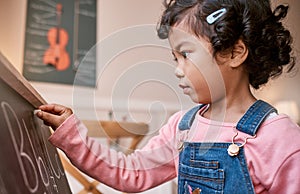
181 54
185 54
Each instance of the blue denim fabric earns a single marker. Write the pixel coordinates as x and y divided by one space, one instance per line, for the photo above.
208 167
254 116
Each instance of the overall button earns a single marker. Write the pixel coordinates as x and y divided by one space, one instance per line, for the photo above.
233 150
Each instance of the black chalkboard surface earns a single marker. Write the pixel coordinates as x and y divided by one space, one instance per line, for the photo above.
28 162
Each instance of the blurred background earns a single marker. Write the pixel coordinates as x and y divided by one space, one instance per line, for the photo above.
134 73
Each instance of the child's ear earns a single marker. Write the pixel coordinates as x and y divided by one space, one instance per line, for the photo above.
239 54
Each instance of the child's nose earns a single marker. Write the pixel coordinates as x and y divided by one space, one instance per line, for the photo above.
179 73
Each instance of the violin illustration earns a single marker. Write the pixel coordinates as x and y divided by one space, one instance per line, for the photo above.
56 54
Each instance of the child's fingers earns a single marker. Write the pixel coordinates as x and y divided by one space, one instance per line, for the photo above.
55 109
47 108
52 108
53 114
50 119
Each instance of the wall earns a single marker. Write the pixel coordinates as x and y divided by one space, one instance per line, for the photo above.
12 22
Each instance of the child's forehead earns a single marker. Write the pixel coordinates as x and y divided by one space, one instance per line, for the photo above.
181 35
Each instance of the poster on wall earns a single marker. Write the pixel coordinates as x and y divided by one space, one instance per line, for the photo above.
58 38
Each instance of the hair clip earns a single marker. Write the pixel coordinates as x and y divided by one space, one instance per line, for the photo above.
215 15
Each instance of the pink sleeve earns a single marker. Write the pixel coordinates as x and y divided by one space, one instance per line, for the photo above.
287 179
144 169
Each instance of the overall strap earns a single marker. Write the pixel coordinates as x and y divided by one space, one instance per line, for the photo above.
254 117
188 118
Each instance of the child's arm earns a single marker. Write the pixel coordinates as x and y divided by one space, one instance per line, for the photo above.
287 179
144 169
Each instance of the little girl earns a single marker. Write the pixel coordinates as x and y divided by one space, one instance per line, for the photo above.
230 142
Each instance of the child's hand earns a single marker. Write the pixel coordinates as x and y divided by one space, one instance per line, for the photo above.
53 114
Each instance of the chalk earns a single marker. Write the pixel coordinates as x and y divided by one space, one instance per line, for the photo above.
36 119
36 111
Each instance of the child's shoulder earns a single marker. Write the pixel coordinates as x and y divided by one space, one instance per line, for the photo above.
281 123
280 132
275 152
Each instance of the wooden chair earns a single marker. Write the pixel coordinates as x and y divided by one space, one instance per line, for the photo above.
111 130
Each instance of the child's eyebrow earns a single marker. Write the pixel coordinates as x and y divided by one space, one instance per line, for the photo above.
177 47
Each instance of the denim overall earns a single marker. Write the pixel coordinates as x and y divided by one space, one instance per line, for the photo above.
207 168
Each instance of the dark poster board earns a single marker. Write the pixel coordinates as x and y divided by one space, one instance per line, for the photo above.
59 34
29 163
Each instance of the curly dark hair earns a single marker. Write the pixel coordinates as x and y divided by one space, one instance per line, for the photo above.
252 21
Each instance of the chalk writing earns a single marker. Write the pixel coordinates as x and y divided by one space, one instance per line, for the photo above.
31 163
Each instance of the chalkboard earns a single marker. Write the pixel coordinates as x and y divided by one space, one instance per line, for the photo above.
29 163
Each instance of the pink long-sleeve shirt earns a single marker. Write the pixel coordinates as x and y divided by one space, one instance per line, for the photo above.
273 157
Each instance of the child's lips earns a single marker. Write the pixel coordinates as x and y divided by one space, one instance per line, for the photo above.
185 88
